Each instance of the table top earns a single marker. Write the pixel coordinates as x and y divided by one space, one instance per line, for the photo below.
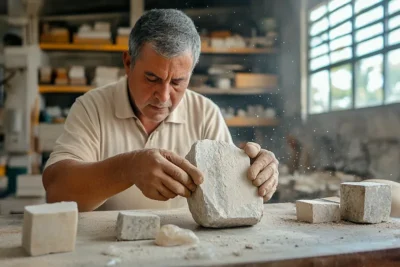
278 240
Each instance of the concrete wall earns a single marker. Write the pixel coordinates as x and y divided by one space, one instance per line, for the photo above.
364 142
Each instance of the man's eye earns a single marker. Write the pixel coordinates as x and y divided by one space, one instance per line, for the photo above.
151 79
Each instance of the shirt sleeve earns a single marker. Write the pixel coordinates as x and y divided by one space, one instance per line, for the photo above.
215 125
80 138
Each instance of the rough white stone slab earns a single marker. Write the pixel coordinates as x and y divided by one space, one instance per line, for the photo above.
317 211
132 225
226 198
50 228
171 235
365 202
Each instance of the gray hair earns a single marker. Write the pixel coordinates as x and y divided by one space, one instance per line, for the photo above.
169 31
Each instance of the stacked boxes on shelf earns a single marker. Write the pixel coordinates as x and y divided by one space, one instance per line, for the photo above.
99 34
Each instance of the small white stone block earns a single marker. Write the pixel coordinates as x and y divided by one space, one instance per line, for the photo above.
365 202
50 228
226 198
317 211
132 225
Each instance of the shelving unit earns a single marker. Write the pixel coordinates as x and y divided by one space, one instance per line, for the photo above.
244 128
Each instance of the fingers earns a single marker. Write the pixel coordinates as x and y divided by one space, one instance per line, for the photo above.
252 149
266 187
165 192
263 159
264 175
185 165
179 175
176 187
269 195
158 196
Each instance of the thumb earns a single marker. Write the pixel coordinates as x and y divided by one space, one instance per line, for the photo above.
252 149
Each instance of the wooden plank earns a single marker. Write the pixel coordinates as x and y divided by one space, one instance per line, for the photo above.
64 89
84 47
211 50
122 48
249 122
232 91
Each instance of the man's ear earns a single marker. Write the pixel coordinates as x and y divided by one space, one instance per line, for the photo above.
126 58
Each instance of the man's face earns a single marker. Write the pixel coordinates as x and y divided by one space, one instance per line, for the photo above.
157 84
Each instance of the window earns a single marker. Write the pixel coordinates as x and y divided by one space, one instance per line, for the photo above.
353 54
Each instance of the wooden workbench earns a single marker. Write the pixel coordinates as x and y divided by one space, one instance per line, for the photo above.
278 240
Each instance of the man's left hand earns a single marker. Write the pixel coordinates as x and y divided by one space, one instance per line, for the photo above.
263 171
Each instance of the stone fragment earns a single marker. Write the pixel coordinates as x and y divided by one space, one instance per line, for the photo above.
50 228
171 235
365 202
317 211
132 225
226 198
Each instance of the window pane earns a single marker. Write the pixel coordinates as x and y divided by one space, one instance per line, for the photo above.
363 4
318 51
319 62
369 17
337 3
341 30
394 37
369 82
340 15
341 55
319 92
319 27
316 41
394 22
341 84
341 42
318 13
394 6
370 46
393 77
369 32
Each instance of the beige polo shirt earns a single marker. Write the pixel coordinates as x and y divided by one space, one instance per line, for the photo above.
102 124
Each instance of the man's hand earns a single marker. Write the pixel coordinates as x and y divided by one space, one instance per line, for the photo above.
263 171
162 174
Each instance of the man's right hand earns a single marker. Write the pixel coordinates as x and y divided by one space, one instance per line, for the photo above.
162 174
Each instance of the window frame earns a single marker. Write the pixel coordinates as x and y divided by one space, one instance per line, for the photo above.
354 58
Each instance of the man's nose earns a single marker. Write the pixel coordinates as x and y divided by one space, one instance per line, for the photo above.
162 92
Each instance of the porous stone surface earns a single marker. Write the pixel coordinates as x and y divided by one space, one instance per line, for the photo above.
226 198
171 235
133 225
50 228
317 211
365 202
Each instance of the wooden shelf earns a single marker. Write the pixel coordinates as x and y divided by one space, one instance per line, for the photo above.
63 89
210 50
122 48
84 47
232 91
250 122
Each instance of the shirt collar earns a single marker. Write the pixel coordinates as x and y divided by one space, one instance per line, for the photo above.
123 108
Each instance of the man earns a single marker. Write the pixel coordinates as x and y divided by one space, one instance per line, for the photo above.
123 144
